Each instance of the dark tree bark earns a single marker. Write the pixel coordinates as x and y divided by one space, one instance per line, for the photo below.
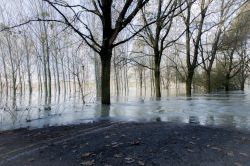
105 78
208 82
227 82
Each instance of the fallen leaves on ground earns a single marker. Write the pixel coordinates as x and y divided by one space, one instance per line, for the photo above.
83 145
88 154
114 144
190 150
141 163
238 164
118 155
216 148
129 160
244 154
31 160
231 154
88 163
192 142
136 142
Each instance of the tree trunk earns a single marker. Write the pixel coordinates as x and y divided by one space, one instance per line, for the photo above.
97 75
45 71
141 77
189 81
69 75
28 64
20 80
80 87
242 86
63 73
6 78
1 84
106 66
58 76
116 74
157 83
29 80
49 75
227 83
208 82
157 74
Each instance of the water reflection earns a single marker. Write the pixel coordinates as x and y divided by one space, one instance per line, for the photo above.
193 120
221 109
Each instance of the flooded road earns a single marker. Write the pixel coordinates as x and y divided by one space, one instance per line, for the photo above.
221 109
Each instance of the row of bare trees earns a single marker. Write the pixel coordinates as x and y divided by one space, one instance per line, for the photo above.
164 41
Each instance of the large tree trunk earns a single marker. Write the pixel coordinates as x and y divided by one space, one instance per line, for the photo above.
227 81
157 83
208 82
106 66
189 81
242 86
188 87
157 75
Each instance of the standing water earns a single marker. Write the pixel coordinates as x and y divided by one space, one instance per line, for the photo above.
221 109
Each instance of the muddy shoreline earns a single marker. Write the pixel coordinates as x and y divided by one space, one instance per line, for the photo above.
123 143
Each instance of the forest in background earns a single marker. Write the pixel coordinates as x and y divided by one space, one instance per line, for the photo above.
98 46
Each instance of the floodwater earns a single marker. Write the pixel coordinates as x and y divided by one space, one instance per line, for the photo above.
220 109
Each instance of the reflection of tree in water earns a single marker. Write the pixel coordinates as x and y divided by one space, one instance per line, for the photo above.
102 111
47 104
175 119
105 111
28 108
210 120
227 120
10 108
193 120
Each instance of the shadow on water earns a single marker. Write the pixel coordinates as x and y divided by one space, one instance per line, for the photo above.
36 111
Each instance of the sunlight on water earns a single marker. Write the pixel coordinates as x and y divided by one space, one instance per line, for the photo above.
222 109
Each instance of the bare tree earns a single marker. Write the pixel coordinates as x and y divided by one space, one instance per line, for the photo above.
156 35
193 36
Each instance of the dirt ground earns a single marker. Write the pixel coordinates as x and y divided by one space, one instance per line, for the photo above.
122 143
